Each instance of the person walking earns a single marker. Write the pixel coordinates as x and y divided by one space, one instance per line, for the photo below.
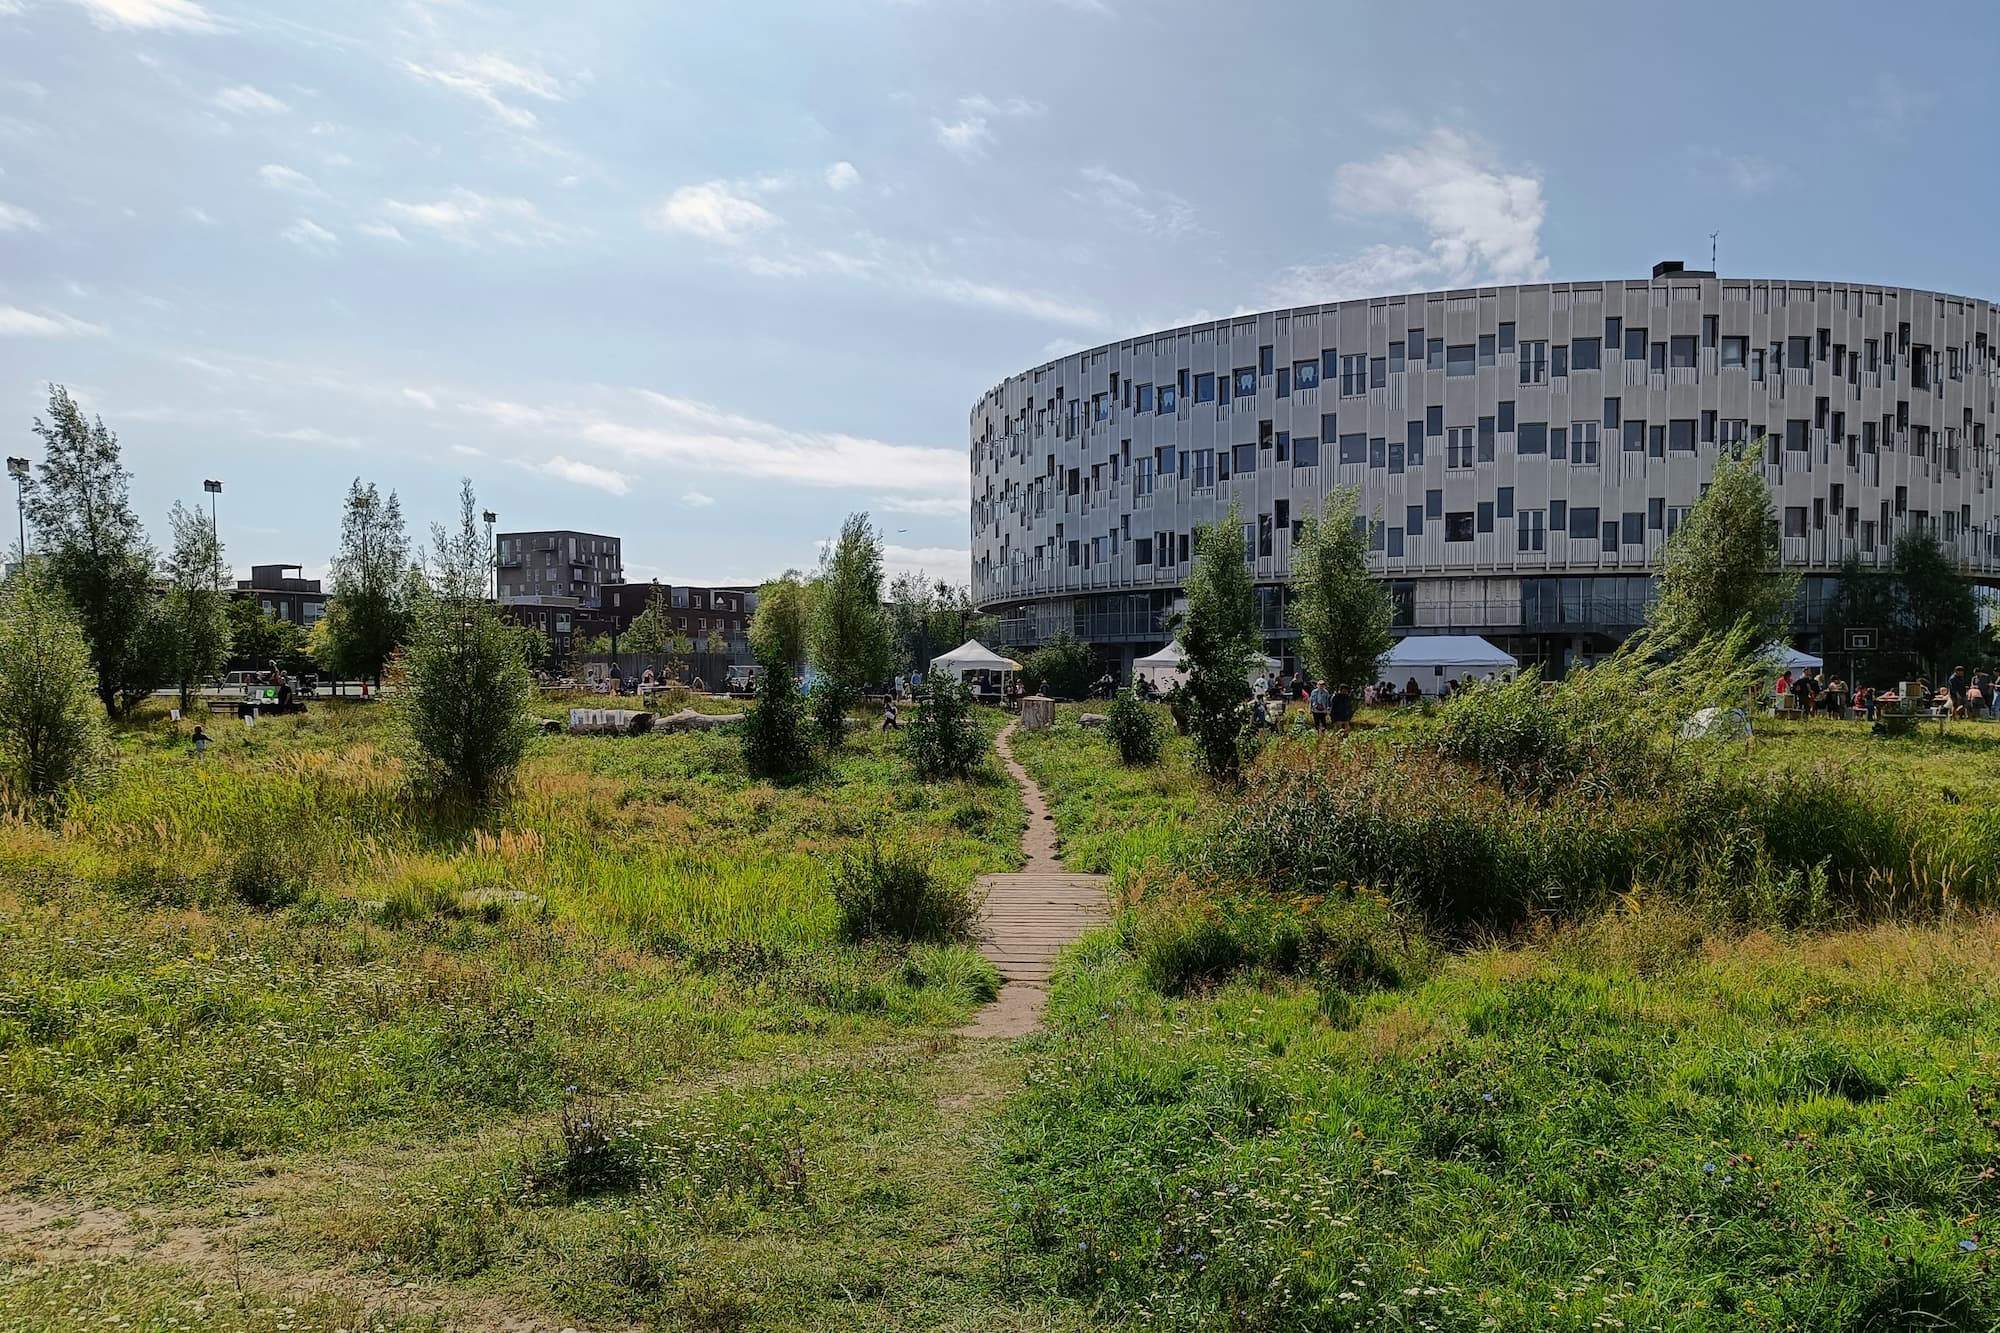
889 722
200 741
1412 692
1322 703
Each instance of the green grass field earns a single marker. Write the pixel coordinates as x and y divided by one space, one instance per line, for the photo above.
278 1051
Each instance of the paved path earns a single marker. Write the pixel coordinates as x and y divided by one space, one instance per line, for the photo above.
1030 915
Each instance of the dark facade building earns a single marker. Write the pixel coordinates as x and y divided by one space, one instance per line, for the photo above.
540 566
694 611
282 591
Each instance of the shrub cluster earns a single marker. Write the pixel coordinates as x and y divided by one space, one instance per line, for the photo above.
944 740
776 743
1134 728
895 891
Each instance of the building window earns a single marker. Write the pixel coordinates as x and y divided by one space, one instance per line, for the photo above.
1530 530
1635 436
1795 521
1142 551
1378 373
1583 442
1204 469
1559 361
1680 436
1798 436
1353 376
1485 511
1305 375
1798 353
1583 354
1204 388
1507 337
1378 451
1657 359
1531 437
1680 352
1458 526
1459 360
1613 330
1395 358
1534 362
1458 447
1354 448
1166 407
1434 354
1245 460
1486 357
1263 360
1246 381
1634 533
1583 522
1735 352
1305 451
1635 344
1413 520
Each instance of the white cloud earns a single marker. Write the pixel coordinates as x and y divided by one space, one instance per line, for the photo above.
935 506
489 80
470 451
584 474
697 500
1133 206
198 215
1482 221
1745 171
310 236
15 218
421 399
1015 300
181 14
972 132
18 323
276 177
312 435
717 211
652 429
244 100
950 563
469 218
1376 271
842 176
382 231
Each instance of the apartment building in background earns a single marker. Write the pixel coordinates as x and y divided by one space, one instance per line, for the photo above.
559 564
694 611
284 593
1522 452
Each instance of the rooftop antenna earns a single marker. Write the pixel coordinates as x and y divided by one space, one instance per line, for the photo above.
1711 250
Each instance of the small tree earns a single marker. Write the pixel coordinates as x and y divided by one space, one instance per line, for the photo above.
829 702
1219 635
944 740
195 616
1720 568
96 551
371 587
652 629
463 705
1063 668
1342 612
1134 728
849 636
51 730
779 628
1940 615
258 638
775 743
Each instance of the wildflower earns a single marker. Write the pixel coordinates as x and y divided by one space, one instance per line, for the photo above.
1486 1097
1708 1168
1969 1246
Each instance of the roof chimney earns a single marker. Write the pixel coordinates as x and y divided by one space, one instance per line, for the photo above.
1667 267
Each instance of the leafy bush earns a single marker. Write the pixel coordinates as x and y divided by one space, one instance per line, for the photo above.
828 702
944 740
1062 668
51 730
1134 728
895 891
1348 941
1587 729
775 743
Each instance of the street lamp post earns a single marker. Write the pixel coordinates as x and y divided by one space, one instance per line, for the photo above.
492 555
214 488
17 468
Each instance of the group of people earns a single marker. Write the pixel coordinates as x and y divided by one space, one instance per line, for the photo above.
1964 694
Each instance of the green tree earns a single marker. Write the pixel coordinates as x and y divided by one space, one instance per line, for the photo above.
652 629
597 645
195 614
775 743
1940 615
944 740
1865 598
1062 668
462 709
97 553
779 629
51 730
257 638
849 636
371 588
1720 568
1342 613
1219 635
717 646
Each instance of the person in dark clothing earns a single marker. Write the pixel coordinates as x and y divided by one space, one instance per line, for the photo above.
1341 712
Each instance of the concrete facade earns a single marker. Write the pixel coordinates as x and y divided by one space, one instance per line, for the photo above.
1523 452
557 564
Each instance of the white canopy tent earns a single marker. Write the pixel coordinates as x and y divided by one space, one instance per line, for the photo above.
1436 658
1168 667
1788 658
972 655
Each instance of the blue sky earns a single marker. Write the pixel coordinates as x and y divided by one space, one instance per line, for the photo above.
710 276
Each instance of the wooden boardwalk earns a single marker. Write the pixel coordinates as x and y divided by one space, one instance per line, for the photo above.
1031 915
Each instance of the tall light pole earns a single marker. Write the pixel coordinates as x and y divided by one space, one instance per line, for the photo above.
214 488
492 554
17 468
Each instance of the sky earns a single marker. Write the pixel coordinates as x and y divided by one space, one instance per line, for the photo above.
712 276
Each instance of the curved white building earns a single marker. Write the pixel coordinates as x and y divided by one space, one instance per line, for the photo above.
1524 451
